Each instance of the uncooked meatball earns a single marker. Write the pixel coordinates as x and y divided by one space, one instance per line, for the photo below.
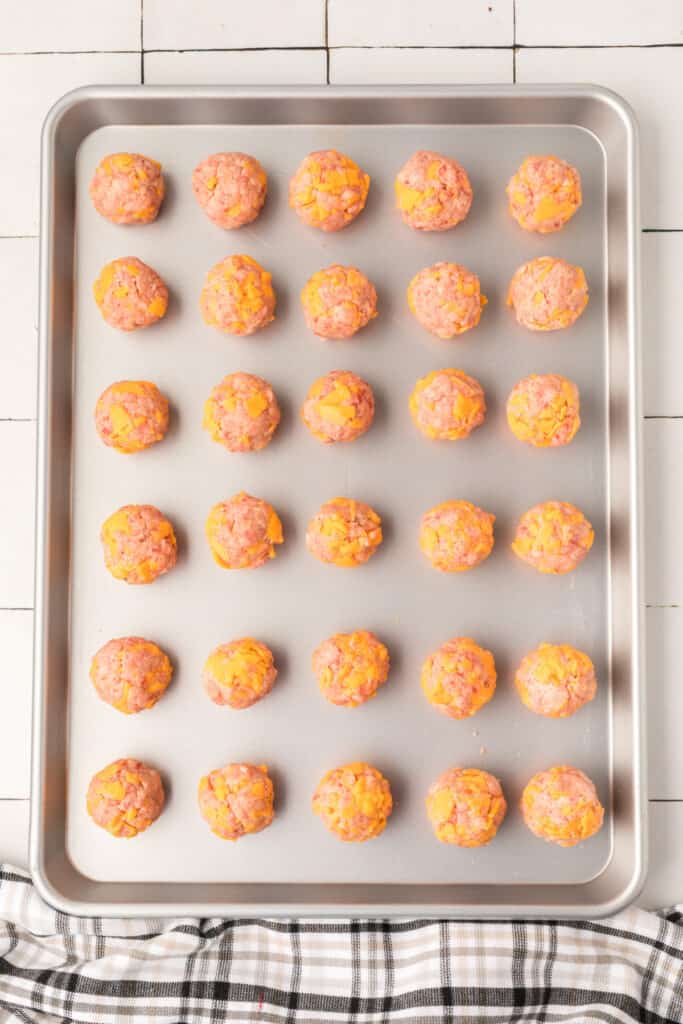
446 299
466 807
130 294
561 805
548 294
543 410
459 678
354 802
242 532
139 544
238 296
230 188
433 192
544 193
125 798
553 537
447 405
127 188
131 674
237 800
351 667
344 532
338 301
239 674
339 407
456 535
131 415
556 680
328 190
242 413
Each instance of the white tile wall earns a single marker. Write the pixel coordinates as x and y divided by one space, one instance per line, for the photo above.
607 22
250 67
18 350
663 444
16 637
226 24
411 23
429 66
662 255
68 25
665 751
17 458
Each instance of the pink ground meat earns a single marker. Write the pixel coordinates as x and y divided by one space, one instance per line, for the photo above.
339 407
446 299
328 190
130 294
131 674
351 667
354 802
561 805
243 531
239 674
548 294
127 188
456 535
553 537
544 193
344 532
556 680
447 405
459 678
338 301
139 544
131 415
237 800
543 410
433 192
125 798
238 296
230 188
242 413
466 807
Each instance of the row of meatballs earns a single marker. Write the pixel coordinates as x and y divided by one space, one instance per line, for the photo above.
465 806
546 294
132 674
329 190
242 412
139 543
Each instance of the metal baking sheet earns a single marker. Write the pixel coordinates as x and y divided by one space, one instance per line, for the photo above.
293 603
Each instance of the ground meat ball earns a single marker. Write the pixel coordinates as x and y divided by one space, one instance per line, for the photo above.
125 798
339 407
556 680
139 544
544 193
242 413
130 294
239 673
456 535
354 802
553 537
447 405
338 301
459 678
344 532
328 190
131 415
242 532
548 294
351 667
433 192
466 807
230 188
561 806
131 674
238 297
127 188
543 410
237 800
446 299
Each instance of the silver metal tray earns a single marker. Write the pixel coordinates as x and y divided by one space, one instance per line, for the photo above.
296 867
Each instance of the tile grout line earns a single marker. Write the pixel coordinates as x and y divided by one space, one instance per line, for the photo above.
298 48
326 25
142 42
514 42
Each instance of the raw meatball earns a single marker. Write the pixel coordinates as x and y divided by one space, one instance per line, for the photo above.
344 532
130 294
351 667
553 537
328 190
127 188
242 532
456 535
466 807
446 299
433 192
561 806
543 410
338 301
131 415
548 294
238 297
230 188
544 193
125 798
239 673
556 680
459 678
242 413
354 802
447 405
339 407
139 544
131 674
237 800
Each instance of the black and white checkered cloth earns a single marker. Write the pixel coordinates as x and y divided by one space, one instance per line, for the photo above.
55 968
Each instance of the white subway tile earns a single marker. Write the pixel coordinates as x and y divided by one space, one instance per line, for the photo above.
18 351
70 25
608 22
407 23
225 24
251 67
416 66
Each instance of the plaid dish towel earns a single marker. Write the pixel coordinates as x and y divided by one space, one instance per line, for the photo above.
55 968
